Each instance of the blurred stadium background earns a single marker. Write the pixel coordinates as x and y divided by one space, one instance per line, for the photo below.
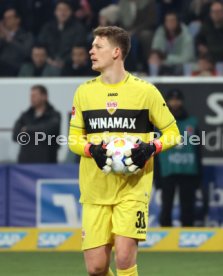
175 45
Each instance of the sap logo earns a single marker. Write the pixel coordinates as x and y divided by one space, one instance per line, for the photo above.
58 203
152 239
52 239
194 239
112 94
8 239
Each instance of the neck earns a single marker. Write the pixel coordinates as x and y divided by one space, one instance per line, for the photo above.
40 109
114 74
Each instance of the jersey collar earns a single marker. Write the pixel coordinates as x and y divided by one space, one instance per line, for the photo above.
116 84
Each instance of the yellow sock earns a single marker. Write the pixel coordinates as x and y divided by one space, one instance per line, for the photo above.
110 273
128 272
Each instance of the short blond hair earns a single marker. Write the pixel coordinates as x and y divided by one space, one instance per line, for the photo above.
117 36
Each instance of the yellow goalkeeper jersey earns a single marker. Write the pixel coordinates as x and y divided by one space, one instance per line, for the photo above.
130 107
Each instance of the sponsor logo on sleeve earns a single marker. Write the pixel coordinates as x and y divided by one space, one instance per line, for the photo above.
73 112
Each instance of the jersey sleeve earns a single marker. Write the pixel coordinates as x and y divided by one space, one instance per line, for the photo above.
76 120
77 135
159 113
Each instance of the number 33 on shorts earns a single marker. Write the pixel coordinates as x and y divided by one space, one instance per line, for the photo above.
141 223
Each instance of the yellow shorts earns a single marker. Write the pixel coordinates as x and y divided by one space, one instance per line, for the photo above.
101 222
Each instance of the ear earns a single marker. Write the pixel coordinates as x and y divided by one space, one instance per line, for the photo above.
116 53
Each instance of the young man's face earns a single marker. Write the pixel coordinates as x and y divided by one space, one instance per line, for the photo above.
103 53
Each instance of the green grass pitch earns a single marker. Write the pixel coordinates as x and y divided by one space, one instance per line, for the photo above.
149 264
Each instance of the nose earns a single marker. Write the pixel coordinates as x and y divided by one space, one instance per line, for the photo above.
91 51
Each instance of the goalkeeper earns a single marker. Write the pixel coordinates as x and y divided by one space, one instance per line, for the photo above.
115 207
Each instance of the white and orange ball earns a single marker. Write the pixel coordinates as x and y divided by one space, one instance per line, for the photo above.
119 146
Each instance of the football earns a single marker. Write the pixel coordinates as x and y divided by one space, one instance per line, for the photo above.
118 146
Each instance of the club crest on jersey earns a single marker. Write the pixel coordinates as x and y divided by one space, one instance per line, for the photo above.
111 107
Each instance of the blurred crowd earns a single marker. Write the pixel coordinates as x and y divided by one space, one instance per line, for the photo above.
49 38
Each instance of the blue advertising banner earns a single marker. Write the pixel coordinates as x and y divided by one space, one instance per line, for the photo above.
50 206
48 195
213 180
58 203
3 194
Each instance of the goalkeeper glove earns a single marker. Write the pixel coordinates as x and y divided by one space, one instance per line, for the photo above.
101 155
140 154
